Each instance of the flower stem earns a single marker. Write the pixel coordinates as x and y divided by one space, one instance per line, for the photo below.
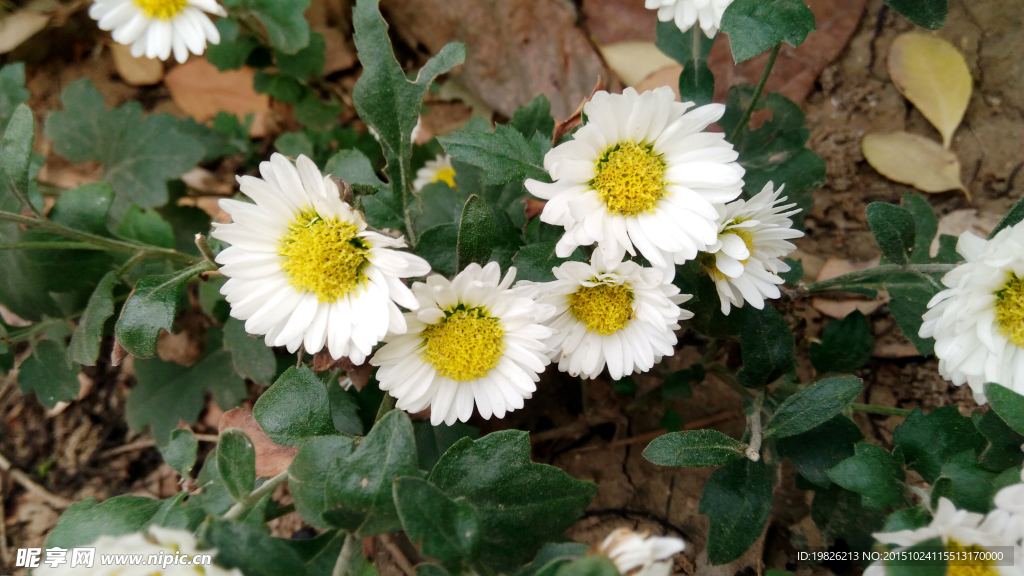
387 404
204 248
757 94
838 283
883 410
754 450
48 246
255 496
343 567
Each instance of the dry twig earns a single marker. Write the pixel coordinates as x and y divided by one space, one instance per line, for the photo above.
21 478
398 555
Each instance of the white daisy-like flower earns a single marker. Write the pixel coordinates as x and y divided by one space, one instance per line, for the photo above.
616 313
640 554
473 341
958 531
686 13
437 170
978 322
746 259
303 268
1010 502
175 552
641 173
155 28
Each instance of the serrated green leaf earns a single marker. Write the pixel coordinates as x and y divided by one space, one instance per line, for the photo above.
444 529
754 26
236 462
874 474
846 345
930 14
534 118
476 234
283 21
151 308
433 441
250 356
534 262
1004 444
180 451
437 204
85 521
839 513
280 87
815 451
1008 404
49 374
147 227
234 48
437 246
737 500
139 155
766 344
813 406
307 62
12 91
694 448
168 393
894 231
965 483
85 342
307 475
928 441
504 155
521 504
295 408
353 167
294 144
358 489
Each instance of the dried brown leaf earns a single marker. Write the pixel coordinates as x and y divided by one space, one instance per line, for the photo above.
271 458
911 159
933 75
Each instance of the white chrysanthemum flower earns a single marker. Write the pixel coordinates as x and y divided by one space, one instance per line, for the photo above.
639 554
641 173
959 531
164 544
304 270
616 313
745 260
473 341
686 13
155 28
978 322
438 170
1010 502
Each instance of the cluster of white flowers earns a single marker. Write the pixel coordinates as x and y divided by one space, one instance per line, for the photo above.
642 176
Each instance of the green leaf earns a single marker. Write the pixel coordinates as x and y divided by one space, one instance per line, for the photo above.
846 345
16 152
766 345
930 14
250 550
295 408
12 91
180 451
344 410
386 100
294 144
433 441
1008 404
280 87
874 474
236 462
315 113
534 118
353 167
534 262
213 498
926 226
168 393
1004 444
437 204
521 504
306 63
139 155
596 565
694 448
87 520
358 490
677 383
251 356
815 451
476 233
909 295
907 519
705 304
965 483
927 442
738 501
234 47
504 155
553 555
49 374
85 342
186 221
147 227
307 475
150 308
283 20
839 513
438 246
696 83
444 529
754 26
813 406
893 227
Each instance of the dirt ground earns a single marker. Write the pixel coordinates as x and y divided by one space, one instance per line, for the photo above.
594 433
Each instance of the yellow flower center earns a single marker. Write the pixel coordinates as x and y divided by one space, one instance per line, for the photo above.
708 262
325 257
630 178
604 308
1010 310
446 175
465 345
965 567
161 9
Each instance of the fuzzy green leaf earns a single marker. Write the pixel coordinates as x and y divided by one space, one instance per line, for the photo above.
49 374
930 14
445 529
813 406
928 441
85 342
476 233
1008 404
696 83
874 474
766 345
845 345
250 355
694 448
534 262
433 441
234 47
151 308
283 20
87 520
180 451
965 483
504 155
12 91
236 462
295 408
894 231
738 501
308 475
438 246
815 451
754 26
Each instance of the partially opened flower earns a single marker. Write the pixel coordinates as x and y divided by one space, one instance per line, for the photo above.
746 259
436 170
641 176
637 554
304 270
686 13
978 322
614 313
473 342
155 28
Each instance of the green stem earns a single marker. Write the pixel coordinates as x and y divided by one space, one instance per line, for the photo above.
387 404
29 332
204 248
131 263
343 567
753 451
757 94
839 282
101 242
883 410
255 496
48 246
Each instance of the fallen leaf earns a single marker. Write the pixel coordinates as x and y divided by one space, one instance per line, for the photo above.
338 55
634 61
20 26
271 458
839 309
136 71
200 90
667 76
911 159
933 75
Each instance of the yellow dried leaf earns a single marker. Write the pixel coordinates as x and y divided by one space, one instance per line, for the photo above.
915 160
19 27
140 71
933 75
634 61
